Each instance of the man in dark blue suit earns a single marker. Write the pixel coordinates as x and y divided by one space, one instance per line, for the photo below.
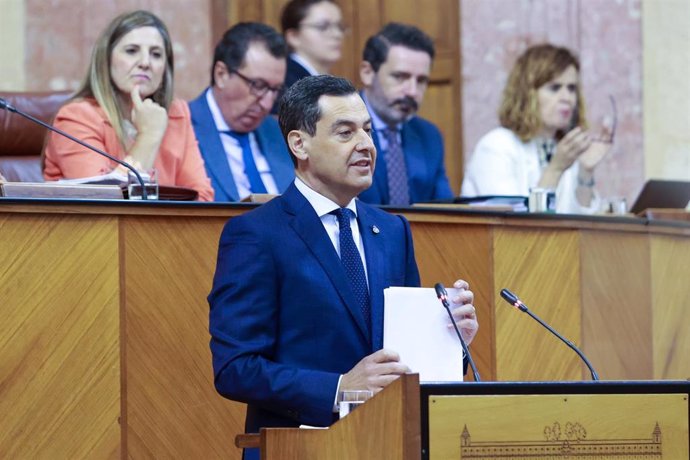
395 72
243 149
297 299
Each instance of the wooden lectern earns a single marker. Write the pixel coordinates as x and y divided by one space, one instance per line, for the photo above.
632 419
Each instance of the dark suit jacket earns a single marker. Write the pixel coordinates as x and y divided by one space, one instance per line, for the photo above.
270 141
284 322
426 173
294 72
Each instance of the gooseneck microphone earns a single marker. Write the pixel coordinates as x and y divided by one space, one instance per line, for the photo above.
10 108
517 303
442 295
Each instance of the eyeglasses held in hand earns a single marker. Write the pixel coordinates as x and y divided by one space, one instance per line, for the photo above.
614 122
258 87
326 26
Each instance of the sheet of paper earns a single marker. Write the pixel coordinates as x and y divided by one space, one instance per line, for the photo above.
415 325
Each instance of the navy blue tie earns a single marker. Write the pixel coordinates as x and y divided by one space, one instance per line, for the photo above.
352 261
255 183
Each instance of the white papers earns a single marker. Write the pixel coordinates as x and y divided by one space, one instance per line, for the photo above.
112 178
415 325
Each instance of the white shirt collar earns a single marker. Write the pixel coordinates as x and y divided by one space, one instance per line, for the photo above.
322 205
219 121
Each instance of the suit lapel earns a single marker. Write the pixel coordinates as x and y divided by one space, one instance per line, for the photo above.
212 148
380 173
413 149
308 226
273 149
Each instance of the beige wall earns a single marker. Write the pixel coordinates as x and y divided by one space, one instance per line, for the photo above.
12 45
666 63
46 46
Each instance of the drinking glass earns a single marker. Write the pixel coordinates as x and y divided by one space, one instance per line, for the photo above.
351 399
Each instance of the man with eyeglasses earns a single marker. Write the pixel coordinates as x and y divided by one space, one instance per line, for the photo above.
395 71
242 146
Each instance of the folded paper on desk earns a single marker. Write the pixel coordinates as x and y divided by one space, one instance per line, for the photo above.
112 178
415 325
498 203
58 190
514 203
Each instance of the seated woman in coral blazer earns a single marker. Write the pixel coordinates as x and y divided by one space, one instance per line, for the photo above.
126 108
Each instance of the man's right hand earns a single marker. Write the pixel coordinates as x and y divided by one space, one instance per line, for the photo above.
148 117
374 372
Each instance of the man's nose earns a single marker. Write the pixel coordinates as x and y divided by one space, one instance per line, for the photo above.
412 88
365 141
267 100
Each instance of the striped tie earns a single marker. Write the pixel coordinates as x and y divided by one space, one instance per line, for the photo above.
398 190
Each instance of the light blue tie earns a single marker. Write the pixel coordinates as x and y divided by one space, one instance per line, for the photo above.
255 183
352 262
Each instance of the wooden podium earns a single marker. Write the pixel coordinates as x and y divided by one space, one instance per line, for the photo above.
499 420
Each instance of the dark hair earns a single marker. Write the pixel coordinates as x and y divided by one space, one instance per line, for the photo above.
232 48
377 46
299 108
295 11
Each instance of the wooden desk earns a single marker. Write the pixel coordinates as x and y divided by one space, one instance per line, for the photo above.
104 339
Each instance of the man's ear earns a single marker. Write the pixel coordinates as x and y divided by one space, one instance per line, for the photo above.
219 71
297 142
366 73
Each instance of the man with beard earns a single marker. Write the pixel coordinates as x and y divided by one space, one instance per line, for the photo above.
243 149
395 72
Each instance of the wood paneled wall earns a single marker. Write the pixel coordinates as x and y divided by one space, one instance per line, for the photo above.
440 19
104 340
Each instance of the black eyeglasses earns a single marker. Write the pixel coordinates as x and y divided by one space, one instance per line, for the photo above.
259 87
325 26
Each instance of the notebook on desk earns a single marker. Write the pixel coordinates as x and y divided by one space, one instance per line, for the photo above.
662 194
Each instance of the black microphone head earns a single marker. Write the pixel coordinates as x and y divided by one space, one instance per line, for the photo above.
509 297
440 290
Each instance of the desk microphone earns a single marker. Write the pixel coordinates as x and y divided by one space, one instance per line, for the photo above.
517 303
10 108
442 295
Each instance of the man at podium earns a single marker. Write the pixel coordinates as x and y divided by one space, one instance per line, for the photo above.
296 308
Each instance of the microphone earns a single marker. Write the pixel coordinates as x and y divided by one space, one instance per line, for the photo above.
10 108
443 297
517 303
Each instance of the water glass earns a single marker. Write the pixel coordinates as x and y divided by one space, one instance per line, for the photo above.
351 399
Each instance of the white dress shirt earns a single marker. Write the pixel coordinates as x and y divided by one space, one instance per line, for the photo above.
233 153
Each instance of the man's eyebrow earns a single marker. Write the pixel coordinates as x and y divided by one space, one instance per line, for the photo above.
347 122
341 122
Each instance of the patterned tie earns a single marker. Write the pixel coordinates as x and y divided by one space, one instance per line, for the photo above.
398 190
352 261
255 183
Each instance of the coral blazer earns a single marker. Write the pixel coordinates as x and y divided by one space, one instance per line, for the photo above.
178 161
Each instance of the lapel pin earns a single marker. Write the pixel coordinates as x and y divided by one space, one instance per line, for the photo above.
375 229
